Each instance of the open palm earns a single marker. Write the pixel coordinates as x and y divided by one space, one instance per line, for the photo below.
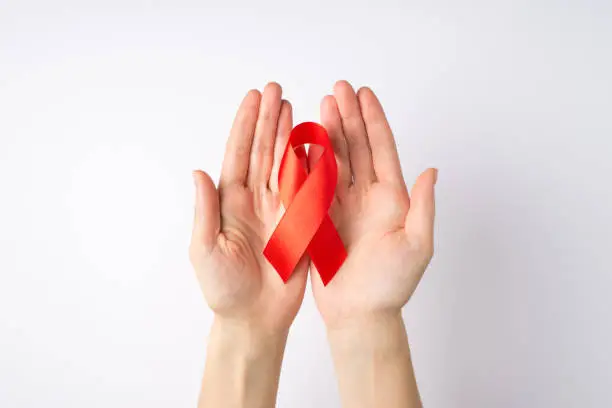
388 235
233 223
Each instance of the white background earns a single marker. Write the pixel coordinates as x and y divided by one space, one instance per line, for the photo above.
106 108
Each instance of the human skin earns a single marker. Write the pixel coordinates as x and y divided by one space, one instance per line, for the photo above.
253 307
388 234
388 237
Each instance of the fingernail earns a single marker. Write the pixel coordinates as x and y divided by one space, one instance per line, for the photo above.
435 176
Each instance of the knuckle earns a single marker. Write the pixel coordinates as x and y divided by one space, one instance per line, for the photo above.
359 143
259 188
265 115
262 146
339 146
352 122
243 149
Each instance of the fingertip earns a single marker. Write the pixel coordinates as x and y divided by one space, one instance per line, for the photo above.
197 176
430 175
328 100
369 103
427 179
197 182
420 217
329 106
364 91
286 106
201 175
273 88
252 95
250 102
343 86
285 118
273 84
204 184
206 196
367 96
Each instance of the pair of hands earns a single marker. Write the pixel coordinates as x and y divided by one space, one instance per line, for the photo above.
387 233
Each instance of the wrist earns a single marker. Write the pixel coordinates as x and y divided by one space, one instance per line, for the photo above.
382 331
247 337
242 365
363 321
372 360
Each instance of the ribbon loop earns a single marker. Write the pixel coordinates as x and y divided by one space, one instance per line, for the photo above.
307 195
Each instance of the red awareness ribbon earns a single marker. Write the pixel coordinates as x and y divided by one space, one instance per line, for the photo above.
307 195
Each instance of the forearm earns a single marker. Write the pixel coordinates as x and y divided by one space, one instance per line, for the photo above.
242 366
373 364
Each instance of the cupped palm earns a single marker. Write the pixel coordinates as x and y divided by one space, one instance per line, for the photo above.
388 235
234 221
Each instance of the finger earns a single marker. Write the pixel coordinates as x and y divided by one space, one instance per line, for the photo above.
300 273
238 149
386 161
331 120
360 155
285 124
420 217
265 132
206 223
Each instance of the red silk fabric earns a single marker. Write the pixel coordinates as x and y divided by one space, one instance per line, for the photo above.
307 195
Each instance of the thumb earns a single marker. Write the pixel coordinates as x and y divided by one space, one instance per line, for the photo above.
206 222
420 217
